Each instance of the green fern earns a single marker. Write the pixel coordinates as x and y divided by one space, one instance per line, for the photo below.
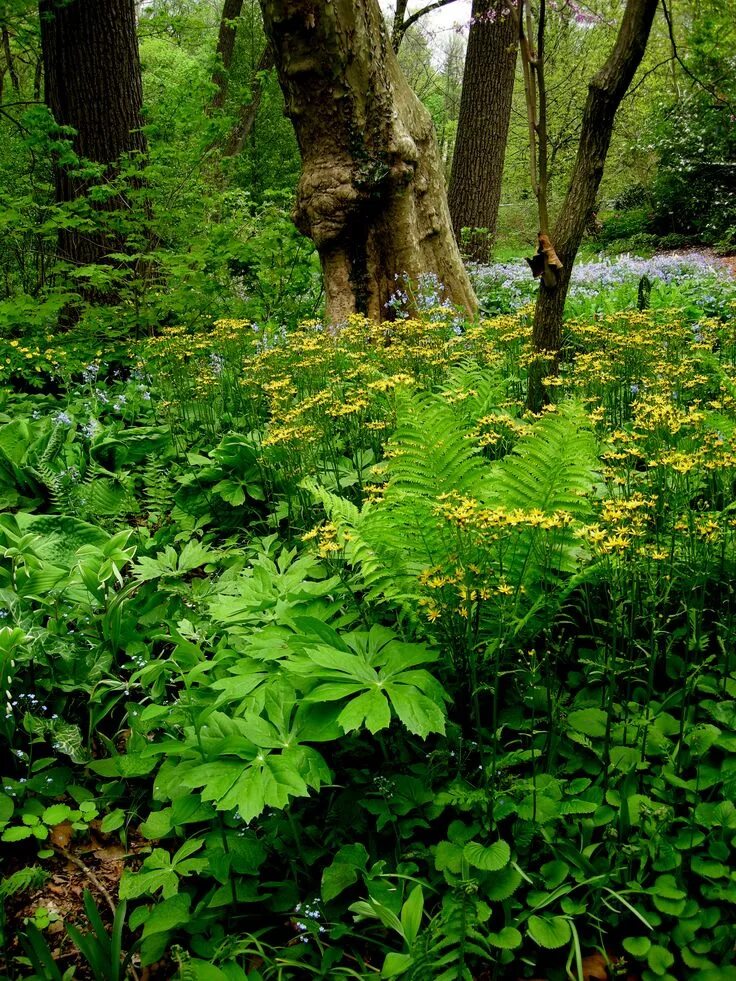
29 877
552 469
158 486
452 942
482 391
431 453
383 571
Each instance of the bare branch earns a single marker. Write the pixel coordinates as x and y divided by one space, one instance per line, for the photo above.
399 31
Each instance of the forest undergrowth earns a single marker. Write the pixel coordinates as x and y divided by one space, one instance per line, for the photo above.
324 658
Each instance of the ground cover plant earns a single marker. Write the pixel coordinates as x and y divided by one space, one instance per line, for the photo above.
357 668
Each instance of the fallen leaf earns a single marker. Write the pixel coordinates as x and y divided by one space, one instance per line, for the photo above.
61 834
110 853
595 967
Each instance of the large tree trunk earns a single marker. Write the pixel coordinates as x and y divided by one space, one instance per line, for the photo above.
93 84
371 193
483 125
225 48
605 93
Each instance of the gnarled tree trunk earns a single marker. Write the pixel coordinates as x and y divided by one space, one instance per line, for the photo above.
93 84
371 193
605 93
483 126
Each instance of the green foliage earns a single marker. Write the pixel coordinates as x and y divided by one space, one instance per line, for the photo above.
367 670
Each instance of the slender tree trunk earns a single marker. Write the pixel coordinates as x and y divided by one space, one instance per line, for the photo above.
371 193
225 48
92 84
483 125
605 92
398 30
14 80
240 132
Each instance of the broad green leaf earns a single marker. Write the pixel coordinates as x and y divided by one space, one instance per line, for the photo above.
448 856
6 808
112 821
371 707
637 946
16 833
500 885
659 959
549 931
489 858
56 814
591 722
506 939
418 713
411 914
336 878
395 964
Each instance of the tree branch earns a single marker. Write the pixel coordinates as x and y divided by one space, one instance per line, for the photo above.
677 57
400 31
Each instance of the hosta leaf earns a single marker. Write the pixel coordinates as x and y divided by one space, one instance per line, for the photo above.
489 858
549 931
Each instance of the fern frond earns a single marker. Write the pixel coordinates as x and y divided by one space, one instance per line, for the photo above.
482 390
366 547
553 468
431 453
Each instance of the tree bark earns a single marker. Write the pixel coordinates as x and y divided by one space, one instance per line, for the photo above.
371 193
225 48
92 84
605 92
483 125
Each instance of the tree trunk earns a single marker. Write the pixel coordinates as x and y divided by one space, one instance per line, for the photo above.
92 84
225 48
371 193
240 132
605 92
14 81
483 125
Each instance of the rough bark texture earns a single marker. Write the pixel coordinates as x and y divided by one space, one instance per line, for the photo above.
483 125
93 84
371 193
225 48
605 93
